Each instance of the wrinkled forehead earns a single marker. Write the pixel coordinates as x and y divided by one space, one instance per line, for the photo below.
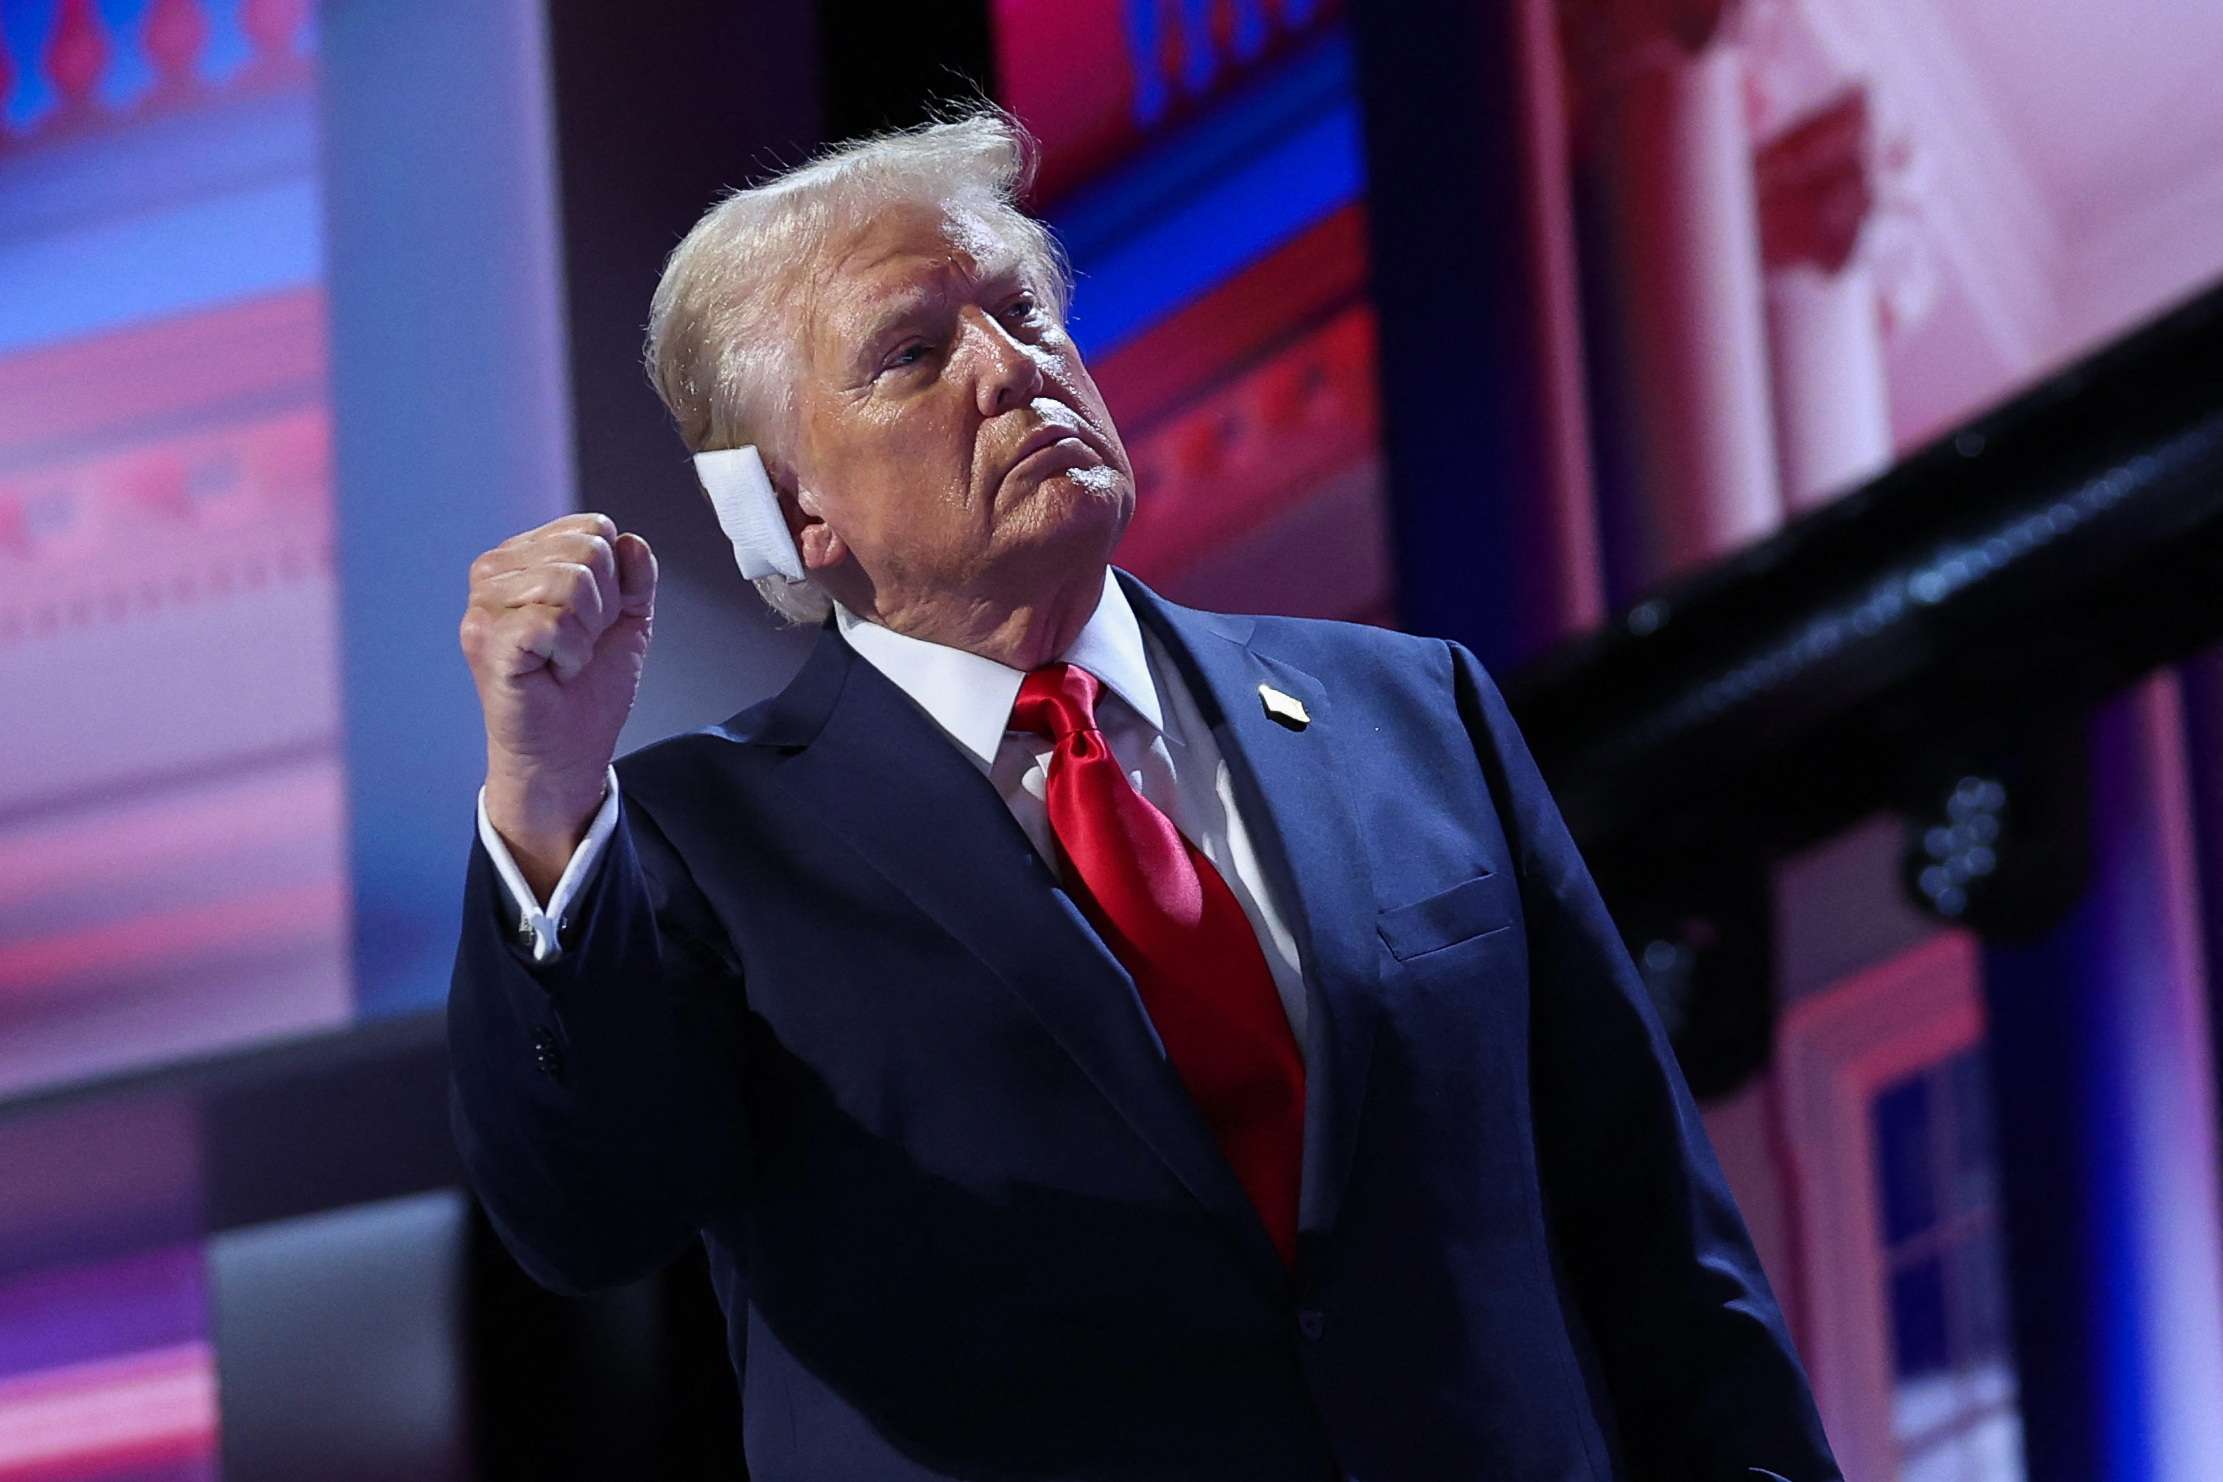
898 261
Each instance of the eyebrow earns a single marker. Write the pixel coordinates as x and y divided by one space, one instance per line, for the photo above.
1009 266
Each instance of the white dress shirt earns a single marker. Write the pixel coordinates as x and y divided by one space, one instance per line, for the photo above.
1147 717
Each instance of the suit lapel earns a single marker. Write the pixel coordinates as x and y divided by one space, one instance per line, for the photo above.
874 769
1286 784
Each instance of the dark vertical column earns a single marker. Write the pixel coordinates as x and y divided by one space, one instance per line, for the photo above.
2201 682
1471 281
2106 1118
2035 1007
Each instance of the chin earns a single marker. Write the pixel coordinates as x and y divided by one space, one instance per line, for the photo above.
1098 495
1079 513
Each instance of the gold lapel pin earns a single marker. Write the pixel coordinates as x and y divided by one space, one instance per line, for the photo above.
1286 710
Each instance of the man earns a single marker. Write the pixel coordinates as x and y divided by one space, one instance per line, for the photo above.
1094 1038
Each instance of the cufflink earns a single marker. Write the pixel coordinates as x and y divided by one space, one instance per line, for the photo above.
1285 710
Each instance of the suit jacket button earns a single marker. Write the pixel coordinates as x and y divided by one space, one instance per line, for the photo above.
1311 1323
547 1055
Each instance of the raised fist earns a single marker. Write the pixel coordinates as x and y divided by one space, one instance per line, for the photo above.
556 632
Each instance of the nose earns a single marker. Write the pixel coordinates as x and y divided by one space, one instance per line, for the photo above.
1008 375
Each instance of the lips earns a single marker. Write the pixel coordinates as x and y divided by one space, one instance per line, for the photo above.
1048 436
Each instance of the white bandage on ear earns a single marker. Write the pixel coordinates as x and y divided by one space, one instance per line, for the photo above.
749 513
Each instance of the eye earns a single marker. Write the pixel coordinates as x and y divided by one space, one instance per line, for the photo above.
908 355
1022 307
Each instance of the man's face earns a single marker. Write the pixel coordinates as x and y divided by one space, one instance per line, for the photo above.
953 446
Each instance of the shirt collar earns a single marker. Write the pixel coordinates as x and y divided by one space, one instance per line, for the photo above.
970 697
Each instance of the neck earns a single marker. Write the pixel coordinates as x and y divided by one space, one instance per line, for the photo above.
1022 633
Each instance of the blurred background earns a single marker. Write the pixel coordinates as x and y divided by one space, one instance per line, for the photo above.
1812 411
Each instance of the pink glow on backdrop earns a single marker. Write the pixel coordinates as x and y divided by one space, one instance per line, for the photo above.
137 1411
172 829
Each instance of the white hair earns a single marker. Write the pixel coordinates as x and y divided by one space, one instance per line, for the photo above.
724 347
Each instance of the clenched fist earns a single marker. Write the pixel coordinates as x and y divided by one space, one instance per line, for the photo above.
556 633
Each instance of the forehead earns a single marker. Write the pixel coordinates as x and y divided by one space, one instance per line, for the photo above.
901 256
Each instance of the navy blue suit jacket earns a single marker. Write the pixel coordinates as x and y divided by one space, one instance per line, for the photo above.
824 1006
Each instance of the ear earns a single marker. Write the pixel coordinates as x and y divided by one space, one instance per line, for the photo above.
821 545
817 542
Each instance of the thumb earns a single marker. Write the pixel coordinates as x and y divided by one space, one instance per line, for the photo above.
636 572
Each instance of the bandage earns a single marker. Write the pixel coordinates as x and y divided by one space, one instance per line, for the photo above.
749 513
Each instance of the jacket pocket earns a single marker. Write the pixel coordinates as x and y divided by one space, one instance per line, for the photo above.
1475 907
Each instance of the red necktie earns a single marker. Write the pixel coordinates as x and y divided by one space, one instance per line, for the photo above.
1175 926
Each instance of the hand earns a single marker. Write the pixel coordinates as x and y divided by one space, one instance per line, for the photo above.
556 633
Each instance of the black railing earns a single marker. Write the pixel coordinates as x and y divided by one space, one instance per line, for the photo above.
2006 577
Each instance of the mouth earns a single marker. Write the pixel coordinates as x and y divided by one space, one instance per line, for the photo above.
1046 446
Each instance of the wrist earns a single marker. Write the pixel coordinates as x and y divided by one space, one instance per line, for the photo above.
541 811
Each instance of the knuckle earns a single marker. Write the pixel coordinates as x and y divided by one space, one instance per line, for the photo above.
577 584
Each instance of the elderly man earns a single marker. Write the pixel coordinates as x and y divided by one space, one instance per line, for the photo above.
1093 1038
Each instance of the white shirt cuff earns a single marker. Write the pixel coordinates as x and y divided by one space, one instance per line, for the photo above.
543 925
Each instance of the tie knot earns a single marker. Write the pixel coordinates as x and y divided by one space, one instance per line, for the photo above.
1056 700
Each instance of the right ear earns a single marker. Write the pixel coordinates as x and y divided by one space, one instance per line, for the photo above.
817 541
820 544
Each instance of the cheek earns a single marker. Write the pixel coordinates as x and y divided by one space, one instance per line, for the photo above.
900 456
929 433
1080 388
912 490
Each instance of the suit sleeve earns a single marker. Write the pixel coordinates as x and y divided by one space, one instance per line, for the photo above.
596 1098
1697 1358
